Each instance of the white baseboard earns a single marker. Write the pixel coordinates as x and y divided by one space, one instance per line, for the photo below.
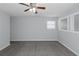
4 46
34 40
69 48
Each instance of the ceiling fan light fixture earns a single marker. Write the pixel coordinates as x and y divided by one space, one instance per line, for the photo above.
33 10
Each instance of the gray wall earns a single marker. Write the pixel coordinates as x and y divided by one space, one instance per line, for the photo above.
70 40
32 28
4 30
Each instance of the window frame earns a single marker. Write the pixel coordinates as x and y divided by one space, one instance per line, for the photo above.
59 23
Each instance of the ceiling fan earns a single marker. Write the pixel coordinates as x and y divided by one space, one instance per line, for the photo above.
32 7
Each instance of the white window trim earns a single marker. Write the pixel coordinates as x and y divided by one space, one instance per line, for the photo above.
59 23
71 18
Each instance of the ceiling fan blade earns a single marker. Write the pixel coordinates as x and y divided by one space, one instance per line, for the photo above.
26 10
31 4
24 4
41 8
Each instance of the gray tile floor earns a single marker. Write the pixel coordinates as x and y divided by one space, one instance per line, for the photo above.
36 49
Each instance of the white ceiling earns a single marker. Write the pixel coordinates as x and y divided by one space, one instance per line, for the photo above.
52 9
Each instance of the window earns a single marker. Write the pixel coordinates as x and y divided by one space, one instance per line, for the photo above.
69 23
50 24
76 23
64 23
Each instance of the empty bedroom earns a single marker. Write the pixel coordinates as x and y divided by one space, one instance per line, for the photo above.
39 29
